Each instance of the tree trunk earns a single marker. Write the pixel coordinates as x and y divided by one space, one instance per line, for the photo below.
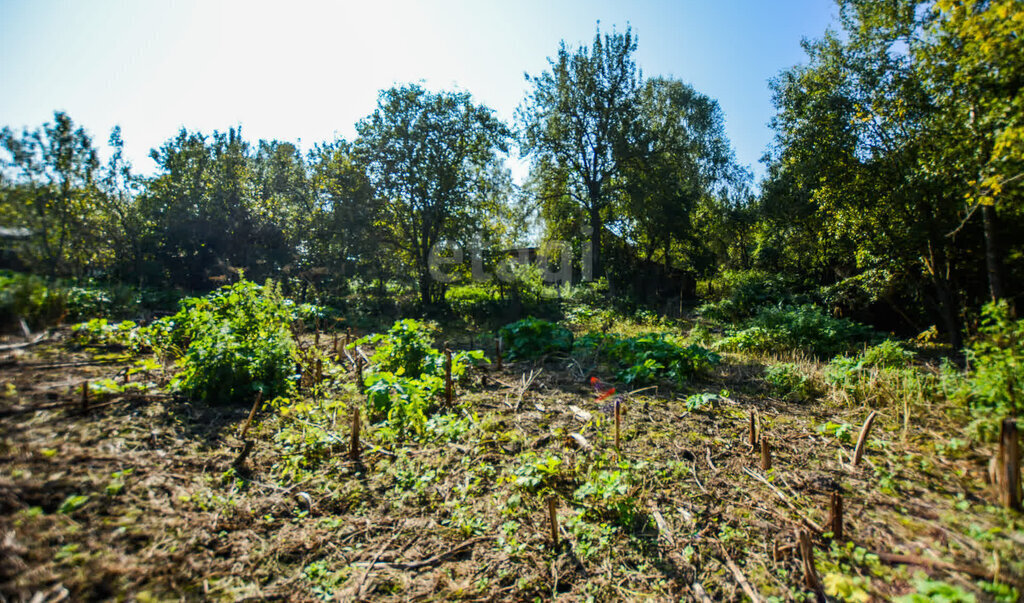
595 242
949 311
993 259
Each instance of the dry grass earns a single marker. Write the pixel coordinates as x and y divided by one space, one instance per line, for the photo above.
443 518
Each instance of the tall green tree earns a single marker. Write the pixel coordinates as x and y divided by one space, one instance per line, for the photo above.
431 159
681 155
50 188
577 124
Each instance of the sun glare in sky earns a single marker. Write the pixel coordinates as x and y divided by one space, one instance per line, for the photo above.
309 71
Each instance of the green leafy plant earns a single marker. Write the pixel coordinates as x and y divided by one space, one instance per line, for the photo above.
995 381
533 338
231 343
407 375
612 495
704 400
787 380
650 357
796 328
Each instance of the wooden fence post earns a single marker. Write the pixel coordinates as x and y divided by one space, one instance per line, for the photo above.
858 452
553 519
447 377
1009 465
766 454
85 396
618 423
353 445
753 430
835 515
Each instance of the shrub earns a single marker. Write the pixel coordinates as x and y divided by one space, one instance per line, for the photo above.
739 294
407 374
533 338
32 298
995 381
786 380
797 328
99 331
650 357
888 354
231 343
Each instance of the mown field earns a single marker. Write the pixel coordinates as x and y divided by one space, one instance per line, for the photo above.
131 470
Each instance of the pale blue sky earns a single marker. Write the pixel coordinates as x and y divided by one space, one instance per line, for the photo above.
309 70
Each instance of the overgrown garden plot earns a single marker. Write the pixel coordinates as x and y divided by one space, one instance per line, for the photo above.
139 491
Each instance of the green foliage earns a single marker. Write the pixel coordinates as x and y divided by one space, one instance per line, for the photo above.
407 375
995 381
787 380
231 343
73 503
533 338
650 357
928 590
538 473
796 328
704 400
406 349
739 295
32 298
613 495
879 370
99 331
842 431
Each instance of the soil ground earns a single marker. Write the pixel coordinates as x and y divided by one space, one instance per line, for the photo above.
141 497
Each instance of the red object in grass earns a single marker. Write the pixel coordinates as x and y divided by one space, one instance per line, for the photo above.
602 388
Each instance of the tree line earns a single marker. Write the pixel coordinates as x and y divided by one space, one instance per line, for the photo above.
892 191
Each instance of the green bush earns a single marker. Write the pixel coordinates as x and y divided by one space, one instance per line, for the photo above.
995 381
231 343
844 371
32 298
786 380
533 338
649 358
797 328
737 295
407 374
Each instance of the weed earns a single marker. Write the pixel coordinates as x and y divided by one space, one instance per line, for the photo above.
232 343
533 338
649 358
788 381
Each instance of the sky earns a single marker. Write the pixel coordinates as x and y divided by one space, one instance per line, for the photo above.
308 71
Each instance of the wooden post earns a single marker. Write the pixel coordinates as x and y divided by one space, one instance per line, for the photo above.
334 344
766 454
1009 465
85 396
753 430
252 413
553 519
448 377
359 372
835 515
807 555
353 445
319 370
618 422
497 352
862 439
316 338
